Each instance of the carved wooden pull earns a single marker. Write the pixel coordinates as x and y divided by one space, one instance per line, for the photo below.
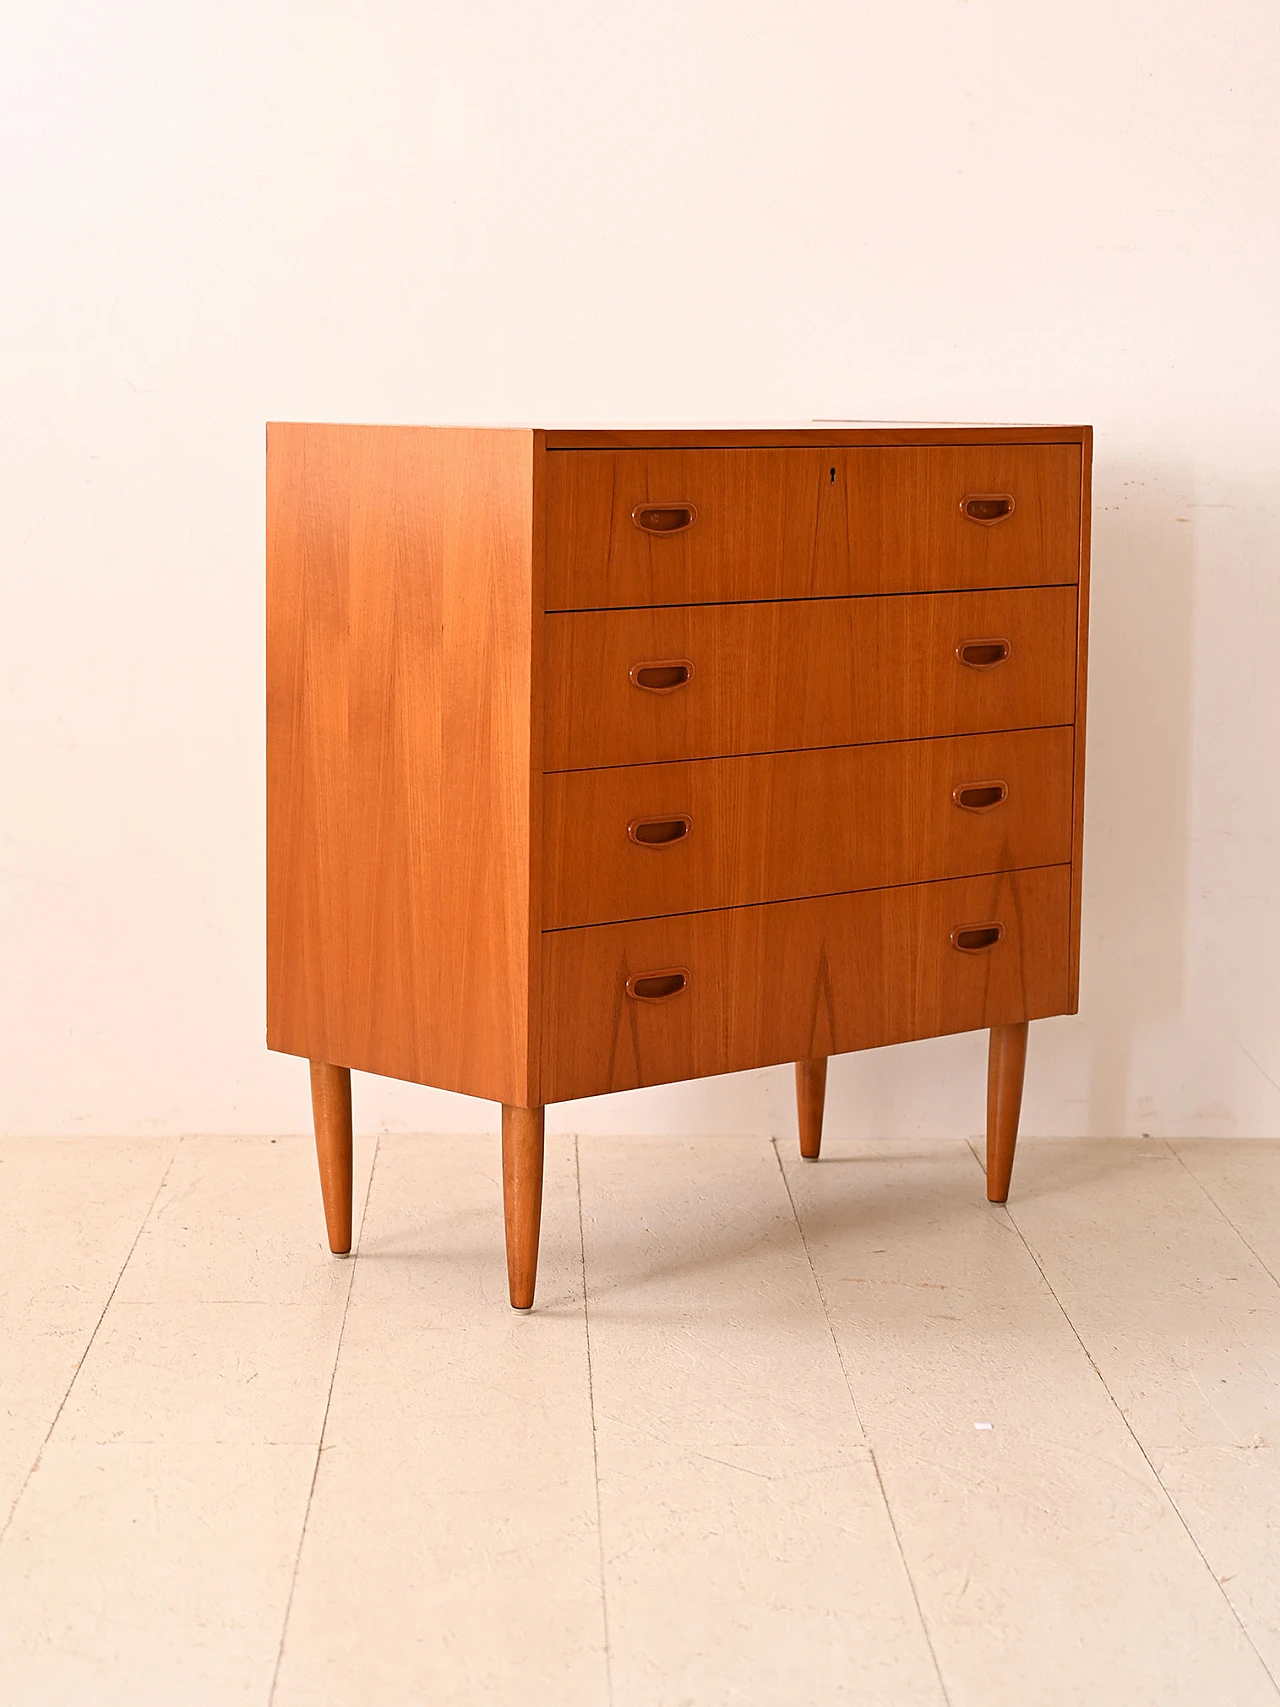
663 675
659 832
657 986
986 508
983 654
664 518
980 796
976 939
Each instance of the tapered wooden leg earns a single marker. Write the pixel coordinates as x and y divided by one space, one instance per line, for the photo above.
1006 1061
811 1096
522 1138
331 1110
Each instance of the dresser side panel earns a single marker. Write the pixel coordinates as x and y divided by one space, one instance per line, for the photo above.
400 637
1082 671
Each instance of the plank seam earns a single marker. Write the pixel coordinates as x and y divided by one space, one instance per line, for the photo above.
1159 1480
871 1452
324 1423
89 1343
591 1403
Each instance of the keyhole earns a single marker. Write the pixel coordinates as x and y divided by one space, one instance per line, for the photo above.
833 476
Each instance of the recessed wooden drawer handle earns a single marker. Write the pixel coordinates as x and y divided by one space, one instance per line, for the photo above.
974 939
986 508
663 675
657 986
664 518
983 654
659 832
980 796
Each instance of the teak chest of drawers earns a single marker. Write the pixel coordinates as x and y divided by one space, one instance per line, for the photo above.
599 759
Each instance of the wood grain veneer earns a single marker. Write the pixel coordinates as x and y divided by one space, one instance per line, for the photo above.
807 673
402 643
800 979
776 826
820 523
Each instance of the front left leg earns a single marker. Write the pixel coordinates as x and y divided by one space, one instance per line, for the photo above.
522 1147
331 1111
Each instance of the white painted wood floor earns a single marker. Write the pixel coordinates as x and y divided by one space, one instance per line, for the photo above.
823 1434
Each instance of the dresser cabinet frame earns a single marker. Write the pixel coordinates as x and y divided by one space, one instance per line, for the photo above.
405 601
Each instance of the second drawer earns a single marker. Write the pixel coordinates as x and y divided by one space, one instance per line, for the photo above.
627 687
645 840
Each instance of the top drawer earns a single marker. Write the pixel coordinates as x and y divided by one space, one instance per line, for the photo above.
638 527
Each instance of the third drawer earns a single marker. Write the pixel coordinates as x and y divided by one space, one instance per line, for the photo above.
637 841
629 687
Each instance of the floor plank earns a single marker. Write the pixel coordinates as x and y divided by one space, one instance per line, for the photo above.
451 1552
1183 1322
748 1553
224 1327
1241 1176
184 1452
240 1221
144 1576
191 1373
70 1209
1040 1540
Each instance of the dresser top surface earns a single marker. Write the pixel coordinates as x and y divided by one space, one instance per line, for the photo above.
780 434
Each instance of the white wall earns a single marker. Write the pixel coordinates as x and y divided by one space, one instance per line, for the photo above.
494 210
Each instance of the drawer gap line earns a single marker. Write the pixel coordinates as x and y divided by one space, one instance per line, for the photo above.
837 747
806 599
797 900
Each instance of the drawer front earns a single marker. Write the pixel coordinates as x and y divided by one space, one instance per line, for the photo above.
639 841
758 678
756 985
685 527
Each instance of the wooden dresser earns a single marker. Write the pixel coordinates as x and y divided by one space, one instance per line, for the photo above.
600 759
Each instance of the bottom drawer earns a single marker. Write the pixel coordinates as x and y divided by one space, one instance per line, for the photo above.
702 993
